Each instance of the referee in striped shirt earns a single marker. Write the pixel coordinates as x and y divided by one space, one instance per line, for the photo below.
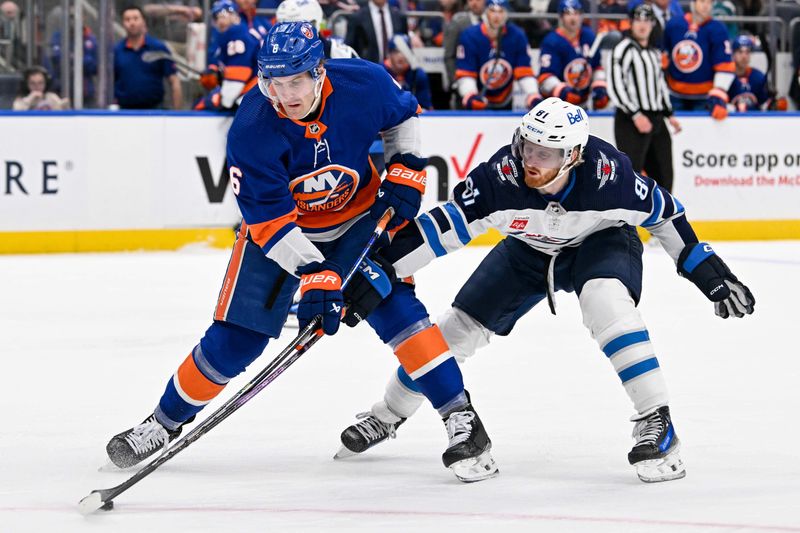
639 91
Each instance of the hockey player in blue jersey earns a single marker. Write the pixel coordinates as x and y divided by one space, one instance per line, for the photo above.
234 59
401 64
309 196
568 69
490 57
568 203
750 90
700 69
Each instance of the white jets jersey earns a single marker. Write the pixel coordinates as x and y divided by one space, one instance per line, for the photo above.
602 192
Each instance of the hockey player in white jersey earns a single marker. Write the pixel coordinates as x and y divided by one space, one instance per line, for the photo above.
311 11
568 203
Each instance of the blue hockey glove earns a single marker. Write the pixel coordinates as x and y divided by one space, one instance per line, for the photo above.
718 103
599 96
367 288
402 189
699 264
320 294
475 102
569 94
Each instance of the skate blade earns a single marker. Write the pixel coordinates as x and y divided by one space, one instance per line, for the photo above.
475 468
664 469
344 453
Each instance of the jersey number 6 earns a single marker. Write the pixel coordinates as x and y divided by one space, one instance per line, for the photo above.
235 175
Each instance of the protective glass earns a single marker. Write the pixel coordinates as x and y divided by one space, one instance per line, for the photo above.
536 155
290 89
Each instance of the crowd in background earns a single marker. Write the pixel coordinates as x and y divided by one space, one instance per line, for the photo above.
486 50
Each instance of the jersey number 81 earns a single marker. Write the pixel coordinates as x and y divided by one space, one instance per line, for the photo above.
640 187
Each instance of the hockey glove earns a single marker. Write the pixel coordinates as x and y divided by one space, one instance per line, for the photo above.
474 102
533 100
320 294
367 289
700 265
718 103
210 102
210 77
402 189
599 98
569 94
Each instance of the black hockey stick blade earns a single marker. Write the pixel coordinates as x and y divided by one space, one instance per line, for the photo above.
97 500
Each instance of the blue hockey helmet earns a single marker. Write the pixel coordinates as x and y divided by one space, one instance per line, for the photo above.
290 48
744 41
568 6
502 4
221 6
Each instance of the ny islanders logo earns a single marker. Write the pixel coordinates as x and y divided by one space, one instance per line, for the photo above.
305 29
496 74
687 56
578 73
326 189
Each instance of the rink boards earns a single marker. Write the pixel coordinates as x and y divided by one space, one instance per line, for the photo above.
98 181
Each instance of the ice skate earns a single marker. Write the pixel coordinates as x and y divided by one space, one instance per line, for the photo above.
133 446
371 430
468 453
656 454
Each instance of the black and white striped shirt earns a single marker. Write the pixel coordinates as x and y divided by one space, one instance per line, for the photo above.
635 79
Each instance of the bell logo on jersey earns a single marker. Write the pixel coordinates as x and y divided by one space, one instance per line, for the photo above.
687 56
326 189
496 75
578 74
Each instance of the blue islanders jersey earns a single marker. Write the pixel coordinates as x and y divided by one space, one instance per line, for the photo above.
477 58
566 62
749 92
416 81
313 175
696 54
236 53
602 192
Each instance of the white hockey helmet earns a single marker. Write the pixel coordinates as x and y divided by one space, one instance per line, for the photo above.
554 124
298 10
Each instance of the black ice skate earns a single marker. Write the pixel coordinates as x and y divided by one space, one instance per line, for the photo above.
468 453
656 452
365 434
140 442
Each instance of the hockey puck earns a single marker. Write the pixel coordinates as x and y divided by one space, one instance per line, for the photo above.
109 505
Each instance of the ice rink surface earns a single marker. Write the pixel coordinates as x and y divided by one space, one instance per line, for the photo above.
89 341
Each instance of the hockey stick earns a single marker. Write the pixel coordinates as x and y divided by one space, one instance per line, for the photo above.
151 56
308 336
497 50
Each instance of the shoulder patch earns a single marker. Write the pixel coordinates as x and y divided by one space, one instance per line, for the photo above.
606 170
507 170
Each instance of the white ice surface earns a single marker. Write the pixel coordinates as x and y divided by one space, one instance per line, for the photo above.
88 342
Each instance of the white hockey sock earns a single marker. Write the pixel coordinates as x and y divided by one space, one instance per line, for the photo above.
398 400
614 322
